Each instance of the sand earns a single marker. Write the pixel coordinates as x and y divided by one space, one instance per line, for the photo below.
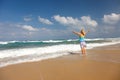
101 63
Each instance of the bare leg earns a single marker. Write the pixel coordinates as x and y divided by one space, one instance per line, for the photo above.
83 51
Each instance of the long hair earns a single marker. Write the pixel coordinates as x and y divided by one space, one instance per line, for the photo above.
82 32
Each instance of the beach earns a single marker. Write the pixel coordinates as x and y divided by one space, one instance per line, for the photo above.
101 63
59 40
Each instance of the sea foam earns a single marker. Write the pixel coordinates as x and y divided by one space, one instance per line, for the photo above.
30 54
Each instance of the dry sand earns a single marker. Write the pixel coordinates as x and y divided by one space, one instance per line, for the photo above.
101 63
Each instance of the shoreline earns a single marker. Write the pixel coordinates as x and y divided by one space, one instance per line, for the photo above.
97 65
44 58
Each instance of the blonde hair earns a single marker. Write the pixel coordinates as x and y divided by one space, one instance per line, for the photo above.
82 31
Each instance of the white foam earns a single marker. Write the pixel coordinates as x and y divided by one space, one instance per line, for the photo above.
52 41
7 42
92 45
31 59
40 50
94 39
3 42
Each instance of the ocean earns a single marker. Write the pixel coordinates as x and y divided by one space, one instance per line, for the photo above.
14 52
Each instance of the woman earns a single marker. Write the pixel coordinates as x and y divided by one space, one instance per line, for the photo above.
81 35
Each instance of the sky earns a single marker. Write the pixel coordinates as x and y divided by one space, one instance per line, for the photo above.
56 19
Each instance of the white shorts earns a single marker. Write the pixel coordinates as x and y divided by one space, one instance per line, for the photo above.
82 44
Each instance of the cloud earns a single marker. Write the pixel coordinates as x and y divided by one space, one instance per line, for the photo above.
29 28
45 21
86 20
16 31
66 20
112 18
70 21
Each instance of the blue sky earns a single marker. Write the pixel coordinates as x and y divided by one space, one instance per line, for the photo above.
56 19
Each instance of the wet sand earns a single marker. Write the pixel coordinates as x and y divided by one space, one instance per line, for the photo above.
102 63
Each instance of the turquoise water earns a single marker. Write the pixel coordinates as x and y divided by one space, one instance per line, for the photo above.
31 44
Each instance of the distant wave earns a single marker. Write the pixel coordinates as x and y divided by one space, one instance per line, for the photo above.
7 42
47 41
95 39
25 44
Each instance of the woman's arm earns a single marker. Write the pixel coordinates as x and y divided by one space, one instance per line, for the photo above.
77 33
